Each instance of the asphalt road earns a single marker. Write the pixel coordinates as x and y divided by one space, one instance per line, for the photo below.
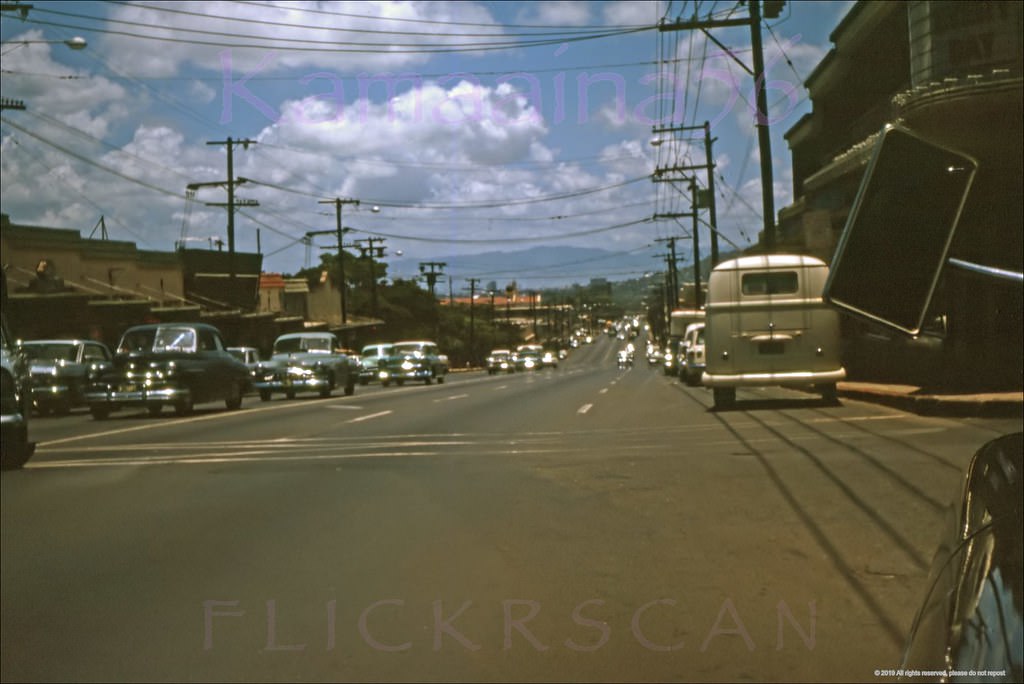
580 523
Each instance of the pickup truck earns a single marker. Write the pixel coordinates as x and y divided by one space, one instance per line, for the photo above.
413 361
306 361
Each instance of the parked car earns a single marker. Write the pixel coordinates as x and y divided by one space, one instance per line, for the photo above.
62 370
413 360
971 617
767 324
369 361
15 403
500 361
168 364
695 360
548 359
306 362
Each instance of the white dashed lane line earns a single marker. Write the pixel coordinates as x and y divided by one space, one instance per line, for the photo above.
583 409
370 416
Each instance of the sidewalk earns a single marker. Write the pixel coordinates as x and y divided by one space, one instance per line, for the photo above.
933 403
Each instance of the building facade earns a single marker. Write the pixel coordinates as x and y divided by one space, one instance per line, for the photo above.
951 72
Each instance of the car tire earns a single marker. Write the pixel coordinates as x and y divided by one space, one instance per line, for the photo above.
400 382
289 394
385 383
233 401
829 392
265 395
429 379
154 410
350 389
99 411
364 381
184 407
440 379
15 452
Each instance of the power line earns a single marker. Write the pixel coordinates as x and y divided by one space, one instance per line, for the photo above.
383 48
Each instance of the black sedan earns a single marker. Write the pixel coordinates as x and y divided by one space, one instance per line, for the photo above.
169 364
61 371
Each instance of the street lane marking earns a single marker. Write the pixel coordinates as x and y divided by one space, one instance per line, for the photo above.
369 417
583 409
603 391
451 398
345 407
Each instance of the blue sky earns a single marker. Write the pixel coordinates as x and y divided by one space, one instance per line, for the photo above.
474 127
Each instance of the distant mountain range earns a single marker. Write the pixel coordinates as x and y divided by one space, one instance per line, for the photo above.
535 268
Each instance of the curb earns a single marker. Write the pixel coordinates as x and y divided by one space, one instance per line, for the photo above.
962 406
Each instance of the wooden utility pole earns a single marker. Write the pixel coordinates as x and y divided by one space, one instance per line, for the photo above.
231 182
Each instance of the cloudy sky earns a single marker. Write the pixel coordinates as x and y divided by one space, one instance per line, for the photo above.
473 126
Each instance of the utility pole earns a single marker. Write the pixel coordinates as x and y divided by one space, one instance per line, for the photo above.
673 274
432 270
708 166
338 204
472 319
231 194
366 247
753 21
697 298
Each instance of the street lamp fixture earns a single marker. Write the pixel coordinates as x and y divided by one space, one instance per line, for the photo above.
76 43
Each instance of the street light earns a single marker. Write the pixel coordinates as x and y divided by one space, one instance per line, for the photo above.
76 43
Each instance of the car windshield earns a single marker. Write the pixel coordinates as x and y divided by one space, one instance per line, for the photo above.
136 341
410 348
50 351
377 350
174 339
290 345
238 354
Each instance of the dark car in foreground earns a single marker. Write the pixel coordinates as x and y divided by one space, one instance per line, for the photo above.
169 364
15 403
971 618
62 370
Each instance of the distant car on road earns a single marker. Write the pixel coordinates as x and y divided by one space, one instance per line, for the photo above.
413 360
500 361
369 361
62 370
168 364
306 362
695 360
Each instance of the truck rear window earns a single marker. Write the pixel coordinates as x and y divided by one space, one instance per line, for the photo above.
769 283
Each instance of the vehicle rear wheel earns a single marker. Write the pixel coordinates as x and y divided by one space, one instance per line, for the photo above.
829 392
153 410
385 383
400 382
350 389
440 379
725 398
233 401
99 411
290 394
264 395
429 379
364 381
183 407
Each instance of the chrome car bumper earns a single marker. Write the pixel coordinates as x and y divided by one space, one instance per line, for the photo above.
767 379
143 395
